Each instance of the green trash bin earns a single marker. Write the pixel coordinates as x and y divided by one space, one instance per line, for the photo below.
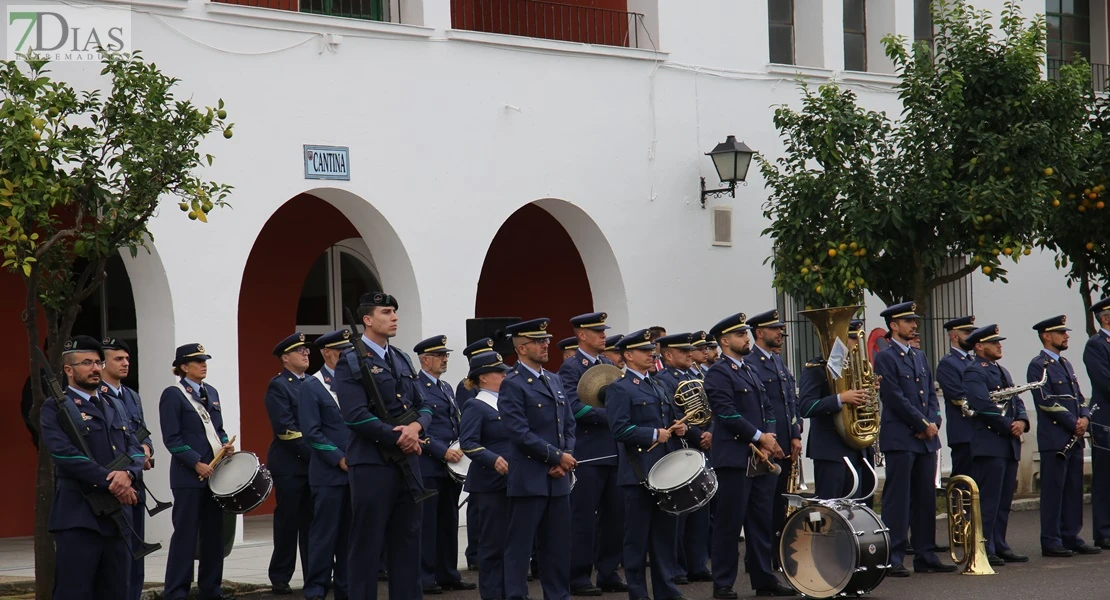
230 522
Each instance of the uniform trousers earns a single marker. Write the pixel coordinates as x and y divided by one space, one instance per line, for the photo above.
195 513
491 508
652 532
546 519
997 480
138 523
327 548
1062 499
961 459
91 566
439 549
383 514
292 519
693 543
745 502
597 526
472 528
1100 477
909 505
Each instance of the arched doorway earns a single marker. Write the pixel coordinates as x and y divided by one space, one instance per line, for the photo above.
534 267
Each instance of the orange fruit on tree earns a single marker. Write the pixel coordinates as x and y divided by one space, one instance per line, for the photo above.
832 252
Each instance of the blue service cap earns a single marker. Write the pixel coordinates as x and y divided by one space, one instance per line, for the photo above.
437 344
594 321
290 344
336 340
536 329
733 323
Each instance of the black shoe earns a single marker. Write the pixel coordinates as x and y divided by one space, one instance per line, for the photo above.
680 580
471 567
898 571
909 550
316 598
588 590
937 568
1011 556
281 589
1104 544
725 593
1086 549
777 589
433 590
383 576
616 586
700 577
995 560
940 548
1057 552
458 585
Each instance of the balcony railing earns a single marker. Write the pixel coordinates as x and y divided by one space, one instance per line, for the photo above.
372 10
1100 73
549 20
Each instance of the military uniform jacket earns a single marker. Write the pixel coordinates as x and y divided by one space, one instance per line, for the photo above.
183 431
740 409
779 388
445 428
289 453
1096 357
1056 413
669 379
909 400
950 376
591 425
107 436
323 429
400 392
817 403
991 425
132 407
484 440
537 415
637 408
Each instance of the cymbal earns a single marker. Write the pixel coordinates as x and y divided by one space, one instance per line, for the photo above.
594 380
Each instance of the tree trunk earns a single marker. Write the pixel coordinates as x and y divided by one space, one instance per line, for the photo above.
44 540
1085 293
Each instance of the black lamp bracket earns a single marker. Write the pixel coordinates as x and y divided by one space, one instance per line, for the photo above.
717 193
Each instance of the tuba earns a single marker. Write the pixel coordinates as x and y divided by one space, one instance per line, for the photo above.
858 426
965 527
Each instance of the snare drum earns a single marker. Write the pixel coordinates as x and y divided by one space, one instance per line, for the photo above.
827 550
682 482
458 470
239 483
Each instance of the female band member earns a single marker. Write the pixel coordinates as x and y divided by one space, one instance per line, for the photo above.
486 442
193 431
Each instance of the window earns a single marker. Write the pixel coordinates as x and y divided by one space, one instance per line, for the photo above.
855 35
110 312
780 19
1069 29
923 22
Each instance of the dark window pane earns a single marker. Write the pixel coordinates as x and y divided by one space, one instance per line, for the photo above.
1072 7
1055 50
1070 50
781 41
314 307
1076 29
855 18
356 279
1053 23
120 302
855 52
922 20
1053 6
780 11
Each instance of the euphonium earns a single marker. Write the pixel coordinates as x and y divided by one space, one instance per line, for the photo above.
965 527
858 426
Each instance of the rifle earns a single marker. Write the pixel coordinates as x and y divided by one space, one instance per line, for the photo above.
103 504
159 506
377 406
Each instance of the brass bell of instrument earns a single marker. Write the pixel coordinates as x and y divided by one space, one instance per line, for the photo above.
965 527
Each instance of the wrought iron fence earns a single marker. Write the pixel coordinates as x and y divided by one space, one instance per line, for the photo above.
372 10
1100 73
549 20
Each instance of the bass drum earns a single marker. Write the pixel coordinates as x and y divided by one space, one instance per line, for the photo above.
827 551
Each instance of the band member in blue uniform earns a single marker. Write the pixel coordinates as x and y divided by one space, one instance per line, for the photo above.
596 504
92 551
117 366
486 442
692 529
193 432
1096 358
288 463
325 433
640 414
742 415
462 395
995 440
537 415
816 402
700 358
610 352
1062 419
908 439
383 492
950 373
440 530
568 346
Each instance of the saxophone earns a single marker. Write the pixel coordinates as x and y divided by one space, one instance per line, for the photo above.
858 426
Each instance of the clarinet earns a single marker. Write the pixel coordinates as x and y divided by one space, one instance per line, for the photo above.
1064 453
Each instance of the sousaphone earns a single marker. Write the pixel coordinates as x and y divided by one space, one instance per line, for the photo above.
591 388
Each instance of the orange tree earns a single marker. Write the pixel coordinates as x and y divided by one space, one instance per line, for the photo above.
81 175
964 173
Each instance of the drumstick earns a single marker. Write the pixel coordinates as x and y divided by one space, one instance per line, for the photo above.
682 420
219 457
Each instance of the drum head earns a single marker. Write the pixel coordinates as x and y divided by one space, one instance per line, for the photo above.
233 473
819 551
462 467
676 469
